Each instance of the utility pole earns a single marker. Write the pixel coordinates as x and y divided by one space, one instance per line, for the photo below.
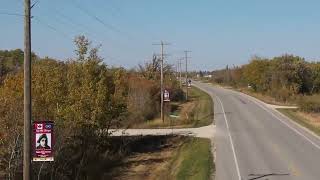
186 58
27 92
180 69
177 69
1 67
162 44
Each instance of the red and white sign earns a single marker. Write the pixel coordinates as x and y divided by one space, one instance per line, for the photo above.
43 141
166 96
189 83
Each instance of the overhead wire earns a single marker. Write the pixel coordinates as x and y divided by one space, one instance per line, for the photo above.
96 18
11 14
37 19
80 26
68 20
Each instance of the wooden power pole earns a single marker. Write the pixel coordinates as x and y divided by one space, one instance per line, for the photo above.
162 44
180 69
27 92
186 58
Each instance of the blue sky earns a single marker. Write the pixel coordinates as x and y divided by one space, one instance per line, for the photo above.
218 32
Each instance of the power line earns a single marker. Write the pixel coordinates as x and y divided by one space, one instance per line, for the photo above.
52 28
11 14
35 3
108 26
80 26
38 19
46 24
65 21
84 26
70 20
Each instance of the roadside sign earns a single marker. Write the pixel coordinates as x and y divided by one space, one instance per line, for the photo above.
189 83
166 96
43 141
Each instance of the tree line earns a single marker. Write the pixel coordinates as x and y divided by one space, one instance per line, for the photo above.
85 98
287 78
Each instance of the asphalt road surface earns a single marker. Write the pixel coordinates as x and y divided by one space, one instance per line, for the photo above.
254 141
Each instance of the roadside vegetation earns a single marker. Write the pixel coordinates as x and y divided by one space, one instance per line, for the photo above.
168 157
308 120
85 98
284 80
193 160
196 112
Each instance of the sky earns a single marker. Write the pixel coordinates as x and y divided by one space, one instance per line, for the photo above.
218 32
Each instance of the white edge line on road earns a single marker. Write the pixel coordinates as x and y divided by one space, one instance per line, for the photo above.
285 123
231 142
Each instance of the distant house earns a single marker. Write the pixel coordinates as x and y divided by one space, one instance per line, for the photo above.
208 76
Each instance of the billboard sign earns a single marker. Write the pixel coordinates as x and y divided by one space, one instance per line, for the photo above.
43 141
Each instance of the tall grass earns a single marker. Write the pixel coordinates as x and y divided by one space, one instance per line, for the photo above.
310 103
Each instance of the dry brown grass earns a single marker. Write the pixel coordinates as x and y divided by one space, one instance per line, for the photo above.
308 120
312 118
186 109
179 158
263 97
150 165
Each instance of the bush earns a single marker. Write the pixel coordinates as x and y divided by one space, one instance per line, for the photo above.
142 102
282 95
310 104
177 95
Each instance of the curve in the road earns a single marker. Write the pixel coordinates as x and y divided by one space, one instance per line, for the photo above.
254 139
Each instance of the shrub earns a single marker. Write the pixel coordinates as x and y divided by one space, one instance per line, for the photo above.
310 104
177 95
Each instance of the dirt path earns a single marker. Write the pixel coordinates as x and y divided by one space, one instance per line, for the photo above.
281 107
204 132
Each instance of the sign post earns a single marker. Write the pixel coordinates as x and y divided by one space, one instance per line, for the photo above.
43 141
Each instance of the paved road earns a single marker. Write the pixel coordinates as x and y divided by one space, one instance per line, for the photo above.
253 140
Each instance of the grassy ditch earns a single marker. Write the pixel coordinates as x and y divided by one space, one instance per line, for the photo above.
308 120
196 112
202 113
170 157
193 160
